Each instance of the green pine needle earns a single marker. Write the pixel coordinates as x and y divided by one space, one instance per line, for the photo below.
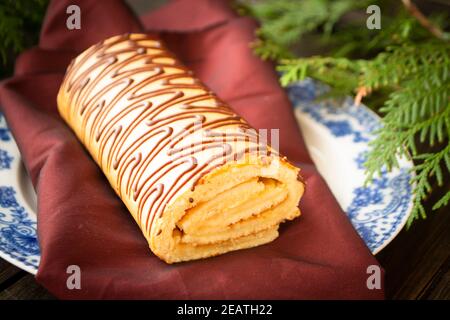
19 25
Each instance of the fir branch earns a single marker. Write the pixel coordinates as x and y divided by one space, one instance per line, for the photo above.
285 22
430 167
19 25
424 21
269 50
340 73
443 201
407 61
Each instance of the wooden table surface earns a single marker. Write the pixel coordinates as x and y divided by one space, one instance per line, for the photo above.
417 264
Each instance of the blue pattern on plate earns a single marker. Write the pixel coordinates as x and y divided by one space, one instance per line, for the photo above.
378 209
5 160
17 230
5 134
18 236
5 157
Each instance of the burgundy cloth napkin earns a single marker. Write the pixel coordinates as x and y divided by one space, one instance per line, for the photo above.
82 222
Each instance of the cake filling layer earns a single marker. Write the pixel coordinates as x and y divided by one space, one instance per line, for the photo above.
244 209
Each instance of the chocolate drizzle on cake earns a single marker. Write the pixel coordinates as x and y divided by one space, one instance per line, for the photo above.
143 110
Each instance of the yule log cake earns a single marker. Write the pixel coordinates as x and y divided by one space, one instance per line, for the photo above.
198 180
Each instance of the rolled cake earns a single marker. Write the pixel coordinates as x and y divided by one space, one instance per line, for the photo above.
197 179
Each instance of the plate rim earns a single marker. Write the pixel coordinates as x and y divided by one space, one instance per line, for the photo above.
406 216
10 147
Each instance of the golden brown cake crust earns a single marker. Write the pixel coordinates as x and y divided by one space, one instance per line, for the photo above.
169 146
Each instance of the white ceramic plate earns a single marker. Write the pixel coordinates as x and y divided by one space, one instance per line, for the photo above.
336 134
18 239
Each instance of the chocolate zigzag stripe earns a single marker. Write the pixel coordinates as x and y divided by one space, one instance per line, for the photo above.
153 123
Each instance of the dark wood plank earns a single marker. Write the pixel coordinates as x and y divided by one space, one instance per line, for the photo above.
439 287
25 288
9 274
414 258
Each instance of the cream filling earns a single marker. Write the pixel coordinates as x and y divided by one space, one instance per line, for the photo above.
244 209
236 206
